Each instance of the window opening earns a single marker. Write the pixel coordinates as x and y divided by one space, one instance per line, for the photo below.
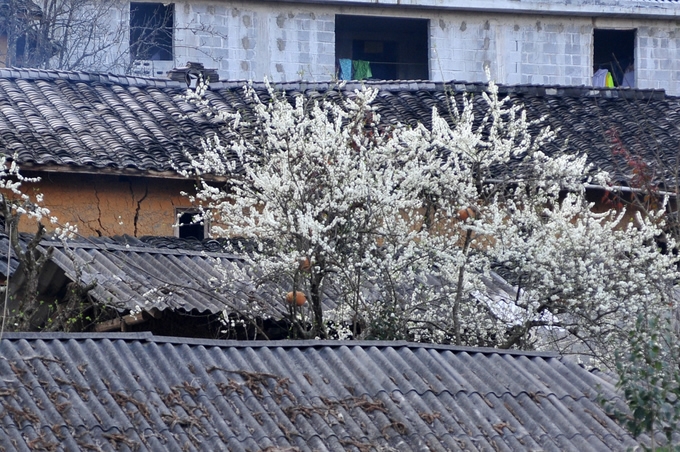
383 48
151 29
614 51
187 227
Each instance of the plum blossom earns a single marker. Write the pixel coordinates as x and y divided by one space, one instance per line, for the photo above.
399 232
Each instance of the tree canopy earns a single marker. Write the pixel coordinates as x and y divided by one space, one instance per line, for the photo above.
409 231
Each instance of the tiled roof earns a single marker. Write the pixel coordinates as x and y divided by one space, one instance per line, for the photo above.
98 121
142 392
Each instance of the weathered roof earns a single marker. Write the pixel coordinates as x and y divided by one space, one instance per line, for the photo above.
12 261
169 273
161 273
99 122
142 392
156 272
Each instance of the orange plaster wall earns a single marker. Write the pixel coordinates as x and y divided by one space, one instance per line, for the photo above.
106 205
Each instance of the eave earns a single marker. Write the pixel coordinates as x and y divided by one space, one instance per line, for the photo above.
645 9
109 171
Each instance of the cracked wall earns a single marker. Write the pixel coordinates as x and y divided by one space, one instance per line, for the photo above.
103 205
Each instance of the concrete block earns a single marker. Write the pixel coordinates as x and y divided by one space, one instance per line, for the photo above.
303 24
303 46
323 48
303 36
662 76
572 49
304 58
550 69
550 47
325 37
530 69
210 41
513 79
660 54
573 71
326 59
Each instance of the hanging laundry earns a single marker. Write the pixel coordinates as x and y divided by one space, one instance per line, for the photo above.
600 78
629 76
628 80
609 80
345 69
362 69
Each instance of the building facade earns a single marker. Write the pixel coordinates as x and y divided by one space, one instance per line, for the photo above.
517 41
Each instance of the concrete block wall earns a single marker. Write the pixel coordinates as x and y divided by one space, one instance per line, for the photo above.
250 41
658 57
286 41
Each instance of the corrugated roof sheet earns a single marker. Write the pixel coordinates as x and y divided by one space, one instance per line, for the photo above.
159 272
100 121
173 273
141 392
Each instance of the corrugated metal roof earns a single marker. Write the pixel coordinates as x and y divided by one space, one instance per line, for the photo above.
141 392
130 273
13 261
162 273
177 274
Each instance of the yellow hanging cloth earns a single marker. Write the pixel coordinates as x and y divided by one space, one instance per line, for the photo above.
609 81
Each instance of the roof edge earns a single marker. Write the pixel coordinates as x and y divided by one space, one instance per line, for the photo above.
112 171
456 86
603 8
88 77
304 85
149 337
139 336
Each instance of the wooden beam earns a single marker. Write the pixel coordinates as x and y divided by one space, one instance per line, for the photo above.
122 323
109 325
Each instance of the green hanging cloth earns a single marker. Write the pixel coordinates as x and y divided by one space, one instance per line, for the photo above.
362 69
609 81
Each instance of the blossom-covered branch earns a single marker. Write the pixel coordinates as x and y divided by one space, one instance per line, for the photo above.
463 232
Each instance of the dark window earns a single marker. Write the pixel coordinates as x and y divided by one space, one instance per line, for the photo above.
189 226
396 49
151 26
614 50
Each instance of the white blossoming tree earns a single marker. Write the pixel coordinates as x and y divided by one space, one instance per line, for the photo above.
463 232
14 204
23 307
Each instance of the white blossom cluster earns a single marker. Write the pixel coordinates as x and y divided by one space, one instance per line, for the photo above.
408 225
12 196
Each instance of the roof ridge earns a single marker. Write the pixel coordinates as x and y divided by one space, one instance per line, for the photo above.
285 343
456 86
150 249
87 77
305 85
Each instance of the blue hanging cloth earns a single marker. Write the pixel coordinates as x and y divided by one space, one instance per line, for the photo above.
345 69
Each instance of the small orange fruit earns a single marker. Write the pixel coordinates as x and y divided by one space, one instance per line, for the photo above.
464 214
305 265
298 298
